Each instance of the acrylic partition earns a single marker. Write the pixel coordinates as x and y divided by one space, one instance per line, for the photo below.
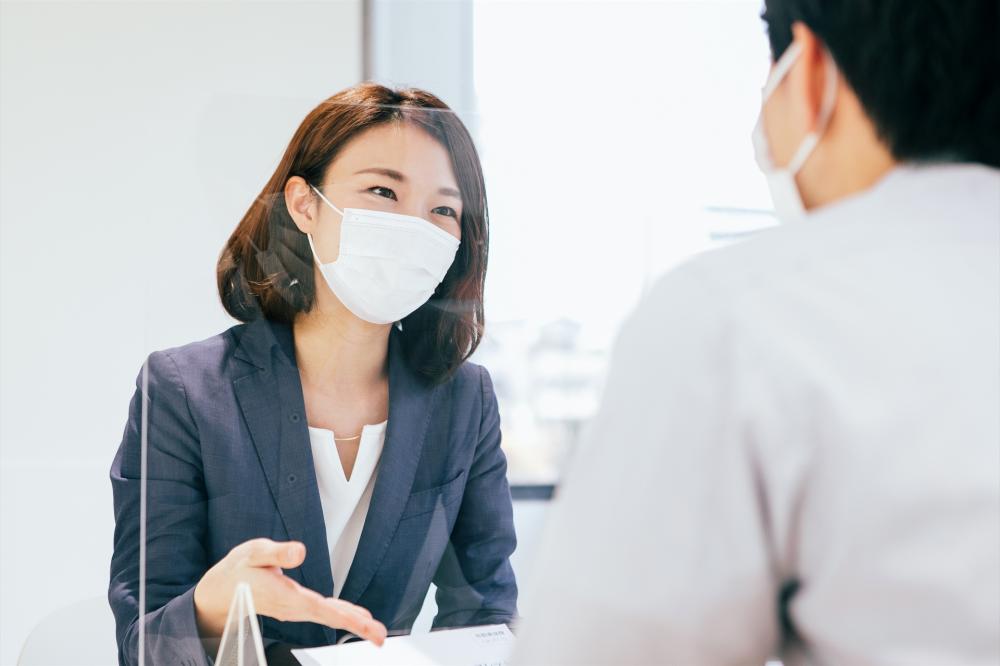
522 232
601 169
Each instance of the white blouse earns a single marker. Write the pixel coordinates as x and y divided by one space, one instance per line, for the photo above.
345 502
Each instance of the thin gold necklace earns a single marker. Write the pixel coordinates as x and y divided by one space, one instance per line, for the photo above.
346 439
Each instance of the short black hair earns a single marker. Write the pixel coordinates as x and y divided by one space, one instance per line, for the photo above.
925 71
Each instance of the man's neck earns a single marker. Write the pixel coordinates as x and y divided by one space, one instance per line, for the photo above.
850 159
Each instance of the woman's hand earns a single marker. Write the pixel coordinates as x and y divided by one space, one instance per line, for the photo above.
259 562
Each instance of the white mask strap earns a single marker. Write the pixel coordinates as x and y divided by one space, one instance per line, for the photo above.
312 246
825 111
328 202
781 69
309 237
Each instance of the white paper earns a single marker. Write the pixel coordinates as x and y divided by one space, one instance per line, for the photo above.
472 646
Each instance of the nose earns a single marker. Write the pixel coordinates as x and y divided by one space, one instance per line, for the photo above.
418 207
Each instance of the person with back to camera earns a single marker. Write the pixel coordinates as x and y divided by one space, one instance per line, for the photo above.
336 451
798 450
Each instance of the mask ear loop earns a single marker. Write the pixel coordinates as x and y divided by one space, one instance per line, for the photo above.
781 69
309 237
825 112
328 202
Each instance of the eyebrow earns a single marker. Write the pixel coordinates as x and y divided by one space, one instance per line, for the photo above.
397 176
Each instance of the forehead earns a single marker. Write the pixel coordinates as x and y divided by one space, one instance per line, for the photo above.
401 146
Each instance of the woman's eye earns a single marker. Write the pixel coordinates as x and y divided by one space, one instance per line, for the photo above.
447 211
383 192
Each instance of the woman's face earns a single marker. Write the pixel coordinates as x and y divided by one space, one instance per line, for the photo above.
395 167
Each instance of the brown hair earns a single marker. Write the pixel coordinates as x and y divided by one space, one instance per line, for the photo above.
266 266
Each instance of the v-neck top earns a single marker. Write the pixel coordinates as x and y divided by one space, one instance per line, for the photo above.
345 502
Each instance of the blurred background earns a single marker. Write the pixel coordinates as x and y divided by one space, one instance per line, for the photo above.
615 142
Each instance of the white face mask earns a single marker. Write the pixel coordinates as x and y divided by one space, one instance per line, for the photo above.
788 204
389 264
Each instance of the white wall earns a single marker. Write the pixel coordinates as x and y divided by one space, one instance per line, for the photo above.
426 44
133 137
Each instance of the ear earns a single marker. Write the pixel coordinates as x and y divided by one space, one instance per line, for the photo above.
302 205
808 77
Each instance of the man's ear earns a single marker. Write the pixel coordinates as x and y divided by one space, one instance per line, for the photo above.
808 77
301 203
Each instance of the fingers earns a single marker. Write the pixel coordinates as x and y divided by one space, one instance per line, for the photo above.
357 620
341 614
267 553
368 629
284 599
362 610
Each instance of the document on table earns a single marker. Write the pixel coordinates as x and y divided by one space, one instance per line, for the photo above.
472 646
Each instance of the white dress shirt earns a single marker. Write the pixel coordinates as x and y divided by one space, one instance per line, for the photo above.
345 502
798 451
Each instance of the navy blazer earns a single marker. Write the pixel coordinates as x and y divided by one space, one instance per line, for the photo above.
229 459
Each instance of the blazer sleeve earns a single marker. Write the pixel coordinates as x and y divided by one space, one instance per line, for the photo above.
475 581
175 523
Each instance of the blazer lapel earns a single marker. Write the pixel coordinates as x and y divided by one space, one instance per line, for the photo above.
411 404
270 398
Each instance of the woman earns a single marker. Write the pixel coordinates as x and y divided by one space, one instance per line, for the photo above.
335 451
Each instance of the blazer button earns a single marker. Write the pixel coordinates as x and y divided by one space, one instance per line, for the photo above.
293 417
292 478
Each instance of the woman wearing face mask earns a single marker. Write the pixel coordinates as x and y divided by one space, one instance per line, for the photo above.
335 450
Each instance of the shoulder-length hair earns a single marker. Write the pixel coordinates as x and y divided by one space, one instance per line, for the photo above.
266 266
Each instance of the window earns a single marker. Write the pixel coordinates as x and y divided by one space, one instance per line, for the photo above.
615 138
